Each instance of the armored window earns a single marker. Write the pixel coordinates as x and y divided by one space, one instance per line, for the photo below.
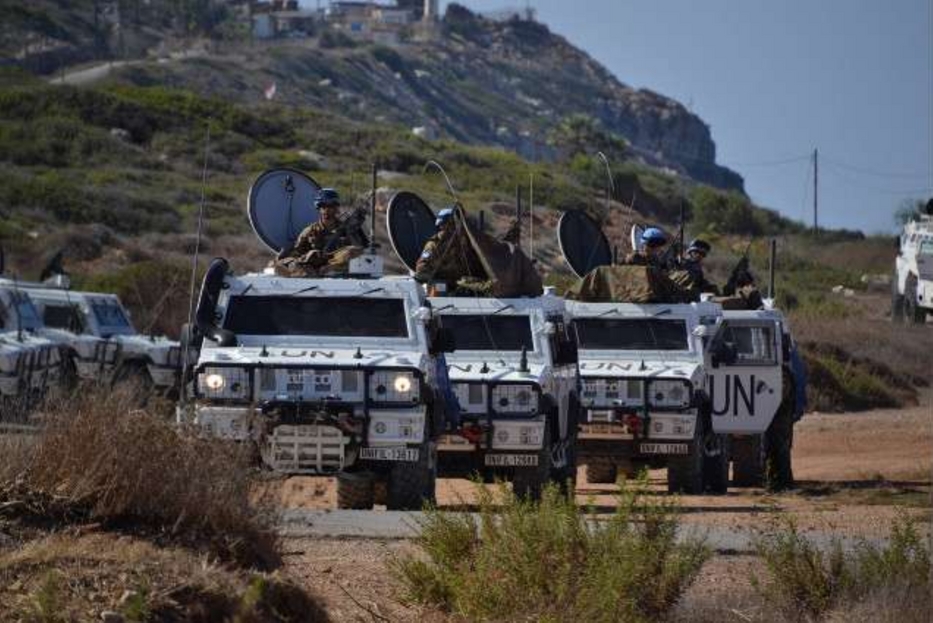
631 333
487 332
320 316
754 345
926 247
111 317
63 317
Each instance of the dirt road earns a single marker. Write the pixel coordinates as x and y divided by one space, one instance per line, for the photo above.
855 471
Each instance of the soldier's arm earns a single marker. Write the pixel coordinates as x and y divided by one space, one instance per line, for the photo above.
426 265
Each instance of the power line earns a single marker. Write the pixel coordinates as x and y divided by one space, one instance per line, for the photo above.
857 181
865 171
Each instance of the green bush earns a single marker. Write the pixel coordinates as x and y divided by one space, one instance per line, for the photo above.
520 560
807 581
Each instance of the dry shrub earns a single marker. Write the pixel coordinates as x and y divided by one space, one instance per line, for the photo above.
807 581
134 470
63 577
521 560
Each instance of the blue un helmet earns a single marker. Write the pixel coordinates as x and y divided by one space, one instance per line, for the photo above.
327 197
699 246
443 216
653 237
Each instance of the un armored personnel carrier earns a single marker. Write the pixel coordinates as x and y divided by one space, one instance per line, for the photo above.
514 373
105 345
30 364
688 386
912 285
341 375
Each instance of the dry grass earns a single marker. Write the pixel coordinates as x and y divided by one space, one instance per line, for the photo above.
131 470
67 577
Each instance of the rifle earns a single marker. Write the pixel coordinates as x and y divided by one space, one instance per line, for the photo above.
739 273
352 227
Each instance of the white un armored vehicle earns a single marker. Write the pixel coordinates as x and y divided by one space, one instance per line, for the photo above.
514 374
30 365
104 344
341 376
687 385
912 285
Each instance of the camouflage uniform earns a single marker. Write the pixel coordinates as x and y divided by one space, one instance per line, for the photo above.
300 261
448 257
697 277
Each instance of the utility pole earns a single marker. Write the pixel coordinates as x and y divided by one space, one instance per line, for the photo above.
816 183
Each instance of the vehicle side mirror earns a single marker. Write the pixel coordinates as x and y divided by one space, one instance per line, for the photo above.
444 341
190 337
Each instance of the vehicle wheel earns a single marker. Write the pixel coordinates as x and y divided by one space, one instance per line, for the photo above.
566 476
134 378
778 441
601 471
897 302
913 312
355 490
716 463
411 485
685 473
748 466
529 482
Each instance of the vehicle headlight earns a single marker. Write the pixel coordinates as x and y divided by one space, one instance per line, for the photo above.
670 393
394 386
230 383
515 398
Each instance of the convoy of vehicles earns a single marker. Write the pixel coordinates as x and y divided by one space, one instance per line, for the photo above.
366 378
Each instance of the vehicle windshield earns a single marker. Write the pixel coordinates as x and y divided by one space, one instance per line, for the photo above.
320 316
926 247
111 317
487 332
631 333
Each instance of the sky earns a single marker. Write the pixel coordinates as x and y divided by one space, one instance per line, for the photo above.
776 80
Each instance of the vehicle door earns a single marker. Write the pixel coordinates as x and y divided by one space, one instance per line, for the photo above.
744 382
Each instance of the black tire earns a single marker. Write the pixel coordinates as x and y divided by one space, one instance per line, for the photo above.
566 476
355 490
913 313
748 465
529 482
716 464
685 473
134 376
897 302
778 441
412 485
601 471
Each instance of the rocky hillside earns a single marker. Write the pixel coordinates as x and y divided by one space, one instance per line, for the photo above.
508 84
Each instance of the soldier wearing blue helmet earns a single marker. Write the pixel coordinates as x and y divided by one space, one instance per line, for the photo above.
446 255
324 241
653 241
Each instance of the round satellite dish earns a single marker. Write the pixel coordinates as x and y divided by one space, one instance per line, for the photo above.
635 237
410 222
281 205
582 242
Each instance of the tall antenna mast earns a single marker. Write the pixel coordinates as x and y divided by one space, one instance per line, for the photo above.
531 216
816 181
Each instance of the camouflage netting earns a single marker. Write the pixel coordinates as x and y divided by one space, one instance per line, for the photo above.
630 284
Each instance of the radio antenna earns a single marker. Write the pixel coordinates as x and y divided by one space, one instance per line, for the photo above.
194 266
610 185
531 216
372 213
450 187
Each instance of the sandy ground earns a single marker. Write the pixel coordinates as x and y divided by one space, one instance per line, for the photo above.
855 472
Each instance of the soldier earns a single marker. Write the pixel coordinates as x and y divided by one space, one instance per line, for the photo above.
328 243
448 255
693 265
653 241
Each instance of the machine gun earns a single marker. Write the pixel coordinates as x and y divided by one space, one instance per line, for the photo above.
351 226
741 275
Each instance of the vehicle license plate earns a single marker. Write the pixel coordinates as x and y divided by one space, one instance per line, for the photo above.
664 448
512 460
389 454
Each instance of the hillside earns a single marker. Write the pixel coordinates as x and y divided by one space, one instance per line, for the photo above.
512 84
